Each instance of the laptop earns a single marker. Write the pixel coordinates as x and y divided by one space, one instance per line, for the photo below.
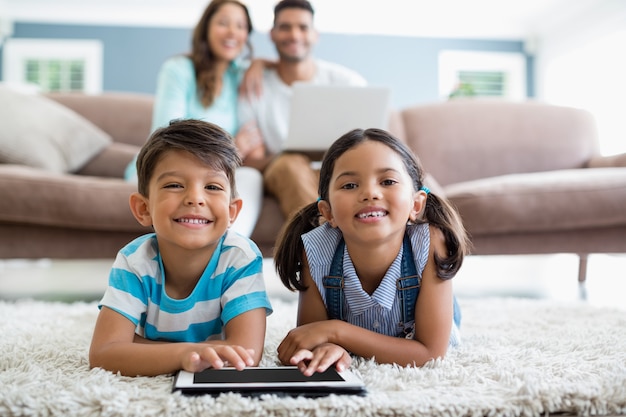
283 380
319 115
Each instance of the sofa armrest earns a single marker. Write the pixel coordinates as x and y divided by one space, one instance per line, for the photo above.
111 162
618 160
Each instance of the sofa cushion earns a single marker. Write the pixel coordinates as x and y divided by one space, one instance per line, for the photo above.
542 202
111 162
39 132
65 201
469 139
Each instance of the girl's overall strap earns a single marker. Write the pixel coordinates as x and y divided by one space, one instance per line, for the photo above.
333 284
408 284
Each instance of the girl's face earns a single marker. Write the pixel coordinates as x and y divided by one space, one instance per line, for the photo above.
228 32
189 203
371 195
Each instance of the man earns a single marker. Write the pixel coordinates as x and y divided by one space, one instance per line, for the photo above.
289 176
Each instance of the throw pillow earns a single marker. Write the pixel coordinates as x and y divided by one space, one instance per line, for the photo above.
38 132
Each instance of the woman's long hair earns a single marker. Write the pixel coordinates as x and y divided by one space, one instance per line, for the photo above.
202 56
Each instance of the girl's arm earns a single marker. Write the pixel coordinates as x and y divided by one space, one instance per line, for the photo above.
113 347
433 321
318 356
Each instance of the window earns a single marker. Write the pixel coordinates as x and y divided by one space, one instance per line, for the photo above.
54 65
590 75
482 74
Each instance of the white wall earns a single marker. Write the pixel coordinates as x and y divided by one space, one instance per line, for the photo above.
581 62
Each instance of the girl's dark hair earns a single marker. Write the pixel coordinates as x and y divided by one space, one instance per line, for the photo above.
438 212
206 141
201 54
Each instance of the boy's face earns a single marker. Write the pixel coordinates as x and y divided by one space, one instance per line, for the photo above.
189 204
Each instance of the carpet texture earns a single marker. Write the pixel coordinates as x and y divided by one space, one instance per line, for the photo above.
519 357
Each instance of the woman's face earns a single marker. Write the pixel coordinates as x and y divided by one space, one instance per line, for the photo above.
228 32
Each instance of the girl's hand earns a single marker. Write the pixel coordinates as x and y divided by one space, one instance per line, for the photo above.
217 356
321 358
305 337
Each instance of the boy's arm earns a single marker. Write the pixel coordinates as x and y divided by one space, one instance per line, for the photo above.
247 330
113 348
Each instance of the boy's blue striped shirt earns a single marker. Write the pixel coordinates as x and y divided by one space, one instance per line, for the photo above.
231 284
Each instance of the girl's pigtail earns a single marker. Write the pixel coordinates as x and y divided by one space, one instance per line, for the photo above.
290 249
441 214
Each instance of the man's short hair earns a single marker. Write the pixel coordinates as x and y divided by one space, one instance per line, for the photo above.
292 4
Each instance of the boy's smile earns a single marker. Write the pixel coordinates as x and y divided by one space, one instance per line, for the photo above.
192 220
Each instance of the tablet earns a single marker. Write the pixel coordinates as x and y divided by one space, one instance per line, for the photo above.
284 380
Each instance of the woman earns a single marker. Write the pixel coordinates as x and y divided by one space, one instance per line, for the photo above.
204 85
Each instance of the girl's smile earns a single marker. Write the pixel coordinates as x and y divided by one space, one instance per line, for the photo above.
371 214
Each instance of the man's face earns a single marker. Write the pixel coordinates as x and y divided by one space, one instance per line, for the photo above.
293 34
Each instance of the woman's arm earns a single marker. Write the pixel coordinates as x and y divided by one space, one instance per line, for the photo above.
113 347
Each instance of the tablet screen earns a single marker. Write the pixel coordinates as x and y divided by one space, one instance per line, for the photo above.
262 375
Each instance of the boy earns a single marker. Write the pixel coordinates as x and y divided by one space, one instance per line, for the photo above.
190 295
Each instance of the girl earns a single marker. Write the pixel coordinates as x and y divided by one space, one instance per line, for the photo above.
374 278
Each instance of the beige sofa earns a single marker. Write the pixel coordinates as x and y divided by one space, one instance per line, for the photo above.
526 177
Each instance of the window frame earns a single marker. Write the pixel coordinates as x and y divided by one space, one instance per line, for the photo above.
17 51
513 64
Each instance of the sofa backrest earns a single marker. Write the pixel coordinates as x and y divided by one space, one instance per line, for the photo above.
467 139
127 117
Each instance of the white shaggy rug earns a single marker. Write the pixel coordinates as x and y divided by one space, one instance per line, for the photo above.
519 358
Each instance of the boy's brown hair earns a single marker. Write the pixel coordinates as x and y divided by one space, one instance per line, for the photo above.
206 141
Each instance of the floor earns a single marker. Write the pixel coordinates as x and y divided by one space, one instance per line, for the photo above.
537 276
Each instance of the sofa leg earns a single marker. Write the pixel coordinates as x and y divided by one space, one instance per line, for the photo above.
582 275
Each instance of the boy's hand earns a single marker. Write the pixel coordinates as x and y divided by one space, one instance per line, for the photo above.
217 356
321 358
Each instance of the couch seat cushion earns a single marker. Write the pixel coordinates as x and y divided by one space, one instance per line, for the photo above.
39 132
65 200
542 202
